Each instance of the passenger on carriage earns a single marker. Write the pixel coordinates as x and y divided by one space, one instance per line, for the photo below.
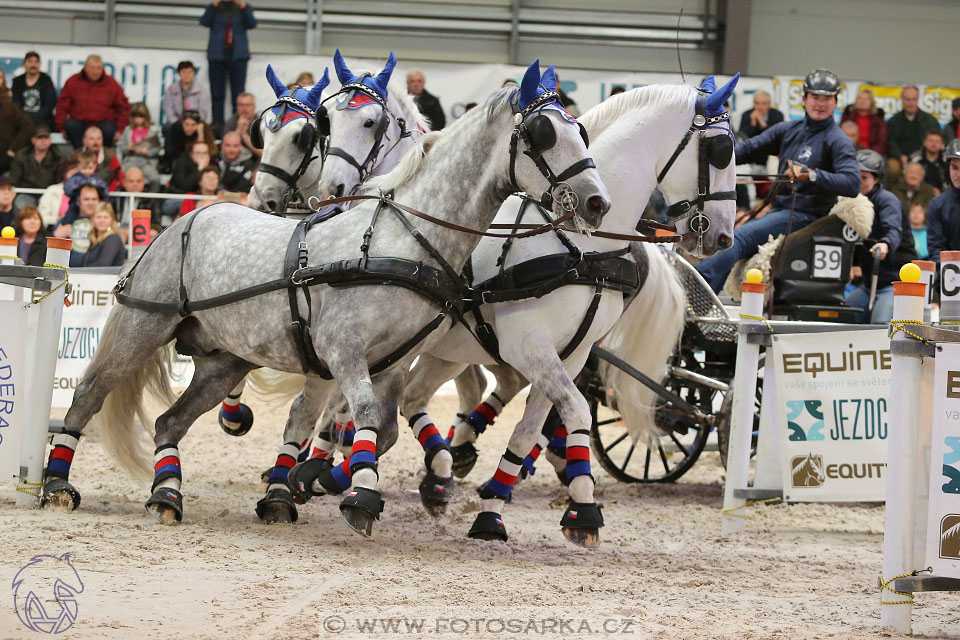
893 247
815 153
943 214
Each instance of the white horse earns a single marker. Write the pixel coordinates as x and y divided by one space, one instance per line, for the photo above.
349 330
533 332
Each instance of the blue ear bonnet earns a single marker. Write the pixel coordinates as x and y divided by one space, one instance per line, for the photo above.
713 105
293 103
533 86
375 83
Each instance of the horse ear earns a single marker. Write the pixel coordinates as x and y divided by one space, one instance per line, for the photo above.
384 76
313 98
529 84
709 83
343 73
278 87
714 102
549 79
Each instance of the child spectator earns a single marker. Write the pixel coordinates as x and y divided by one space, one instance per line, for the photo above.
54 203
108 164
106 247
140 145
918 226
32 242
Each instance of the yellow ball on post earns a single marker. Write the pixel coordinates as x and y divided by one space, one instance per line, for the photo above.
8 232
910 273
754 276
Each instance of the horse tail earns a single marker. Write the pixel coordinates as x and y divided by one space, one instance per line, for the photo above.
645 336
275 385
129 444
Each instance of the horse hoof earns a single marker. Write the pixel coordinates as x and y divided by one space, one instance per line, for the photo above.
589 538
234 425
277 507
265 480
302 476
488 526
59 495
436 493
359 508
167 505
464 458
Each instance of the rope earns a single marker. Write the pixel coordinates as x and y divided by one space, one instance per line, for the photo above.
901 325
885 586
748 503
760 318
29 488
54 290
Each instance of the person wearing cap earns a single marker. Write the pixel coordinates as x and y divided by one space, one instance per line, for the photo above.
951 131
92 98
8 211
905 131
892 244
34 91
228 51
37 166
815 154
943 214
187 93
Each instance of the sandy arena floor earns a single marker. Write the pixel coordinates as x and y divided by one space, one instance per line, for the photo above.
662 571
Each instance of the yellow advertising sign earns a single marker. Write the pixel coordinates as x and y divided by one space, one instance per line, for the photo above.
936 100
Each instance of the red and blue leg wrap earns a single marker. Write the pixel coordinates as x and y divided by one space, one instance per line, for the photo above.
578 454
485 413
363 455
531 459
61 456
285 461
501 484
558 443
426 432
166 467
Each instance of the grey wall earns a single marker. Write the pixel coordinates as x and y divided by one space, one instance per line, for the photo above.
908 41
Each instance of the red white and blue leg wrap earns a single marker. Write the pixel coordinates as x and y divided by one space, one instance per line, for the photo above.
344 430
61 456
363 455
578 454
230 409
501 484
286 458
426 432
304 450
531 459
341 475
558 443
324 443
166 468
485 413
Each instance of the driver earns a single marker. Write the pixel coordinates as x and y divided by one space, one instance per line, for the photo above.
893 247
813 152
943 213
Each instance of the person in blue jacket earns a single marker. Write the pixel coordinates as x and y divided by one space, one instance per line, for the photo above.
228 51
813 152
893 244
943 212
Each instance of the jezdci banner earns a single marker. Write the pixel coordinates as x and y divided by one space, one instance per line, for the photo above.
833 396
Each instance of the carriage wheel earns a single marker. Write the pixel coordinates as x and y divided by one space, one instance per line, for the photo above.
723 424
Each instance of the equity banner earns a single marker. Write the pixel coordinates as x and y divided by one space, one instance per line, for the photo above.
832 399
943 514
13 376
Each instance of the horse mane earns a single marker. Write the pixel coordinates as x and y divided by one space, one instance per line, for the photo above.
413 160
666 96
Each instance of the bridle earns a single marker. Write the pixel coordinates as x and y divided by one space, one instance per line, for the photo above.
365 168
540 136
716 151
290 103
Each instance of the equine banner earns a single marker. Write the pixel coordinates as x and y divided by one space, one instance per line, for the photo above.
13 377
832 399
943 514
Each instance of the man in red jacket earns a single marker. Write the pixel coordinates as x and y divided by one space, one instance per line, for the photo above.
92 98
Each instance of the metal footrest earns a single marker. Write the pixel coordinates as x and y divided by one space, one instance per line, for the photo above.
919 584
757 494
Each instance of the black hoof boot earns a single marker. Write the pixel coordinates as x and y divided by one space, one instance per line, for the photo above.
360 508
436 493
59 495
301 477
464 458
581 524
237 427
488 526
166 504
277 507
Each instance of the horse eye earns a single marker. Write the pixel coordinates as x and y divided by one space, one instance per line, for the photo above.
368 124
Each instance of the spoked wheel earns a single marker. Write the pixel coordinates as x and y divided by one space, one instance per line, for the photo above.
666 459
723 424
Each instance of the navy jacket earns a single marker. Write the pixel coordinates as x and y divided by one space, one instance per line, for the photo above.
889 222
817 144
943 223
217 19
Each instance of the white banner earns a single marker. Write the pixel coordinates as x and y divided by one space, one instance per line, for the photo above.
943 520
832 398
13 376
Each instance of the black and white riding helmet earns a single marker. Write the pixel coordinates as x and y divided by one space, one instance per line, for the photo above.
822 82
952 152
871 162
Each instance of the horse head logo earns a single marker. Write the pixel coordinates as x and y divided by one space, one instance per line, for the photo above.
808 471
45 593
950 536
